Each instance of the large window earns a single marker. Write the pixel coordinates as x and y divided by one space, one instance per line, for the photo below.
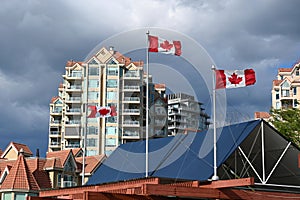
110 142
93 95
112 119
93 71
93 83
112 71
91 142
111 130
76 73
111 95
111 83
92 130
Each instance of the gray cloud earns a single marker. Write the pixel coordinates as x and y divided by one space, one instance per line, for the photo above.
38 37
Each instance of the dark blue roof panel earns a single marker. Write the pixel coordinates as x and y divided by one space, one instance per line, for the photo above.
184 156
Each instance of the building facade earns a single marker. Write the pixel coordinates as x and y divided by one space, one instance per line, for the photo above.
286 89
185 114
106 79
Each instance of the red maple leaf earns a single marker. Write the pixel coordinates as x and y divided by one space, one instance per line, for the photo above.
166 45
234 79
104 111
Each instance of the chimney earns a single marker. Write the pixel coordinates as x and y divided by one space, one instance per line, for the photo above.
37 153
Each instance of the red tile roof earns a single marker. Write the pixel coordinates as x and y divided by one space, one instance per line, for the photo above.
1 152
285 69
20 177
91 162
61 155
160 86
276 82
71 63
126 60
53 99
262 115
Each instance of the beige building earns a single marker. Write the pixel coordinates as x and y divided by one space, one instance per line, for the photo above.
106 79
286 89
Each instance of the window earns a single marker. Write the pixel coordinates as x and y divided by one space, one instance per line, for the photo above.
111 130
92 130
20 196
94 71
111 95
277 94
93 95
91 142
285 93
110 142
92 120
278 105
93 83
295 103
76 73
295 90
6 196
112 83
297 72
91 152
112 119
112 71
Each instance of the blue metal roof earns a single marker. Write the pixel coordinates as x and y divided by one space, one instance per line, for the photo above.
184 156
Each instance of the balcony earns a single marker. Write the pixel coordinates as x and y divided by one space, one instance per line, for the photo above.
131 111
74 88
131 88
131 100
56 112
131 135
76 76
74 145
73 123
73 111
54 143
132 75
131 123
54 133
73 100
55 122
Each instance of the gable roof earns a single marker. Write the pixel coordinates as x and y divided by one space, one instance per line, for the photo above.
16 147
61 155
190 157
91 162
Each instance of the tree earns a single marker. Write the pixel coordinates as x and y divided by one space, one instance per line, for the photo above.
287 122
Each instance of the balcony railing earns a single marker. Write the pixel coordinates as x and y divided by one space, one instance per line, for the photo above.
134 111
131 133
74 110
129 122
54 143
132 75
131 87
54 133
131 98
75 145
75 87
55 121
73 122
74 99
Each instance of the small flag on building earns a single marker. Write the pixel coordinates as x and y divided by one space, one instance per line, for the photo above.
160 45
96 111
234 78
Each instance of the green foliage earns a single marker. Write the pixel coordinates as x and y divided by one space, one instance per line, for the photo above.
287 122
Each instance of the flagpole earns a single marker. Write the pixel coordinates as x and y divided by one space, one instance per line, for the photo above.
147 108
215 176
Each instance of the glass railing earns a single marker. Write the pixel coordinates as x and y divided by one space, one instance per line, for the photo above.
131 87
74 110
129 122
73 122
75 87
131 133
54 133
74 99
131 111
131 98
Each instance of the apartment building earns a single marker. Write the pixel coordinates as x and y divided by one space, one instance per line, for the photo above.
185 114
106 79
286 89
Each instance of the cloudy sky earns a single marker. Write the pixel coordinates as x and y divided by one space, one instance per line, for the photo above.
38 37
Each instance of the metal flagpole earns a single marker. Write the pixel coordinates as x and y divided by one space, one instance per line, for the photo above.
215 176
85 125
147 108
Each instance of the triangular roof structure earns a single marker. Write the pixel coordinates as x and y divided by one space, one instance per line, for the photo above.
249 149
20 177
13 149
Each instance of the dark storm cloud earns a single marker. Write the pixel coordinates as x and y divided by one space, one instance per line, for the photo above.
38 37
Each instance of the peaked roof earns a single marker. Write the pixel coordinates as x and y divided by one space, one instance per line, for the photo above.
184 156
17 147
20 177
91 162
61 155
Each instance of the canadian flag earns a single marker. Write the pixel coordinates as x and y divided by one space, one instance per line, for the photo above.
157 44
234 78
96 111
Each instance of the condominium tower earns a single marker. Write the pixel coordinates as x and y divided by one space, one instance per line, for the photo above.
286 89
106 79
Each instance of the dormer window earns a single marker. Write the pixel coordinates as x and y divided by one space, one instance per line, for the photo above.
297 72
